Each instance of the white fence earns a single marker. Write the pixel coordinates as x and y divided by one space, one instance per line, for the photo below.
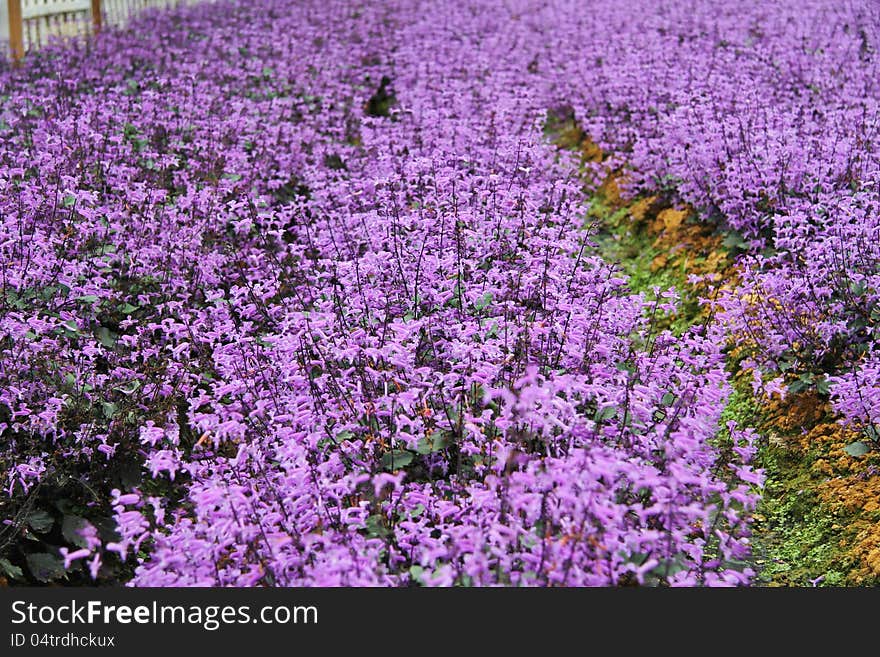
29 24
117 12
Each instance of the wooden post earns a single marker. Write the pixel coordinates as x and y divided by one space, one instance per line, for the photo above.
97 19
16 30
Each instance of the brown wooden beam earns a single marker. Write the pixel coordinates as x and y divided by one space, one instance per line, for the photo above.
97 19
16 30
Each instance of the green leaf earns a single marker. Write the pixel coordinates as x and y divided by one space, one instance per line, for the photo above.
668 399
29 535
234 177
871 434
342 436
106 337
11 569
68 201
439 441
798 386
434 443
857 448
638 558
71 326
45 567
823 386
126 308
376 526
669 568
109 409
87 298
606 413
397 458
735 241
72 527
40 521
484 301
129 387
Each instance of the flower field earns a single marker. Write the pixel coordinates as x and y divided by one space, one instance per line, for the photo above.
522 293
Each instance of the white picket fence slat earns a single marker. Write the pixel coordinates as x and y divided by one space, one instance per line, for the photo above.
31 9
117 12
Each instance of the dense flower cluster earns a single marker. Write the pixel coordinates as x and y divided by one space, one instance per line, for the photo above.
317 270
764 117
